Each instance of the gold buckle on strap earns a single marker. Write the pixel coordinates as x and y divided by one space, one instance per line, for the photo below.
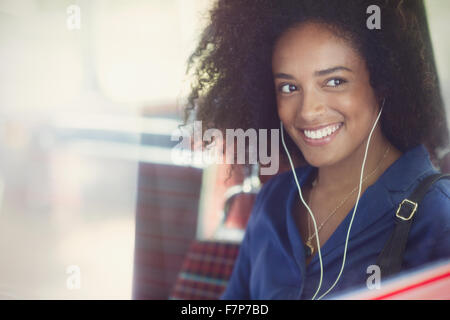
414 204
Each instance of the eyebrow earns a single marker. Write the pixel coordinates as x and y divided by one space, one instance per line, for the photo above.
324 72
331 70
282 75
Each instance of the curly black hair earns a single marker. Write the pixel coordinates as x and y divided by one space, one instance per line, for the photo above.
233 82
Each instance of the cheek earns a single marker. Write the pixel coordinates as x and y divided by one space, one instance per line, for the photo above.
355 107
283 114
360 105
359 120
287 109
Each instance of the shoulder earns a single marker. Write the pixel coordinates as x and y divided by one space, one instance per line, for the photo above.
438 197
273 198
430 232
442 187
436 203
276 188
275 182
270 193
432 220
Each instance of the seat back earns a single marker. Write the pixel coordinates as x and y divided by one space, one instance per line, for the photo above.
205 271
166 223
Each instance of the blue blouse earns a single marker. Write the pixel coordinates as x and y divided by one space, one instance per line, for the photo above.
271 260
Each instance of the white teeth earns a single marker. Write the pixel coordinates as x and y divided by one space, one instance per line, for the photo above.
321 133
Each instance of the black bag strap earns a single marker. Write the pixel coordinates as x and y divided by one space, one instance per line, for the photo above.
391 257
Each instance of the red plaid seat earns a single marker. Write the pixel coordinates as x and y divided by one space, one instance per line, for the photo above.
205 271
166 223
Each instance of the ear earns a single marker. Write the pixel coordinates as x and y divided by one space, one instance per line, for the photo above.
381 100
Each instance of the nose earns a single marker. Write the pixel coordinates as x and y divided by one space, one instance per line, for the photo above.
311 109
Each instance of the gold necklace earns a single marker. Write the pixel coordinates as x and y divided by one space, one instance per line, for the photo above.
310 237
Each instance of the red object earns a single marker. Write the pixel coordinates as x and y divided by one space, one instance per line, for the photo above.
206 270
429 283
166 223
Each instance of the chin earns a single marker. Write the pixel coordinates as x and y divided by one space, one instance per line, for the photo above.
320 159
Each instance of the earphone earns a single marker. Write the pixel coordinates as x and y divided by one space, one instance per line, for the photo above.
312 216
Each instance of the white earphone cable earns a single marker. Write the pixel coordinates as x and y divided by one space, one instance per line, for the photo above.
356 206
307 207
312 216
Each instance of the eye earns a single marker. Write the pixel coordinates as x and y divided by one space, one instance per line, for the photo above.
287 88
335 82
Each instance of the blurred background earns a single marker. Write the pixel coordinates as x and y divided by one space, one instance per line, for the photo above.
91 204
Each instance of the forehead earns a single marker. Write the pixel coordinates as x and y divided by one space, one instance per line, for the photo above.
313 46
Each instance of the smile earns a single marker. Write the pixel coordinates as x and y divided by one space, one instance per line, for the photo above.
321 135
323 132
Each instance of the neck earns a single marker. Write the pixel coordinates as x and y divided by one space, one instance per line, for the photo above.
345 174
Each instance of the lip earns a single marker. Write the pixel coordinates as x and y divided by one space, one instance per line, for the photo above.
320 127
322 141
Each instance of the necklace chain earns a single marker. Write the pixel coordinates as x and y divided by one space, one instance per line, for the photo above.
310 237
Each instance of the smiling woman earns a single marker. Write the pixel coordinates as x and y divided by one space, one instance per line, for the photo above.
327 99
363 115
328 111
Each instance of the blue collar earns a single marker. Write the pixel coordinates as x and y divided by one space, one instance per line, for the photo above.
403 174
379 199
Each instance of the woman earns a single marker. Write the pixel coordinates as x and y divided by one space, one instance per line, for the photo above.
363 115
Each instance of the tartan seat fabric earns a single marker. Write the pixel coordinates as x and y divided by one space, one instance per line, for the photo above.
166 223
205 271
